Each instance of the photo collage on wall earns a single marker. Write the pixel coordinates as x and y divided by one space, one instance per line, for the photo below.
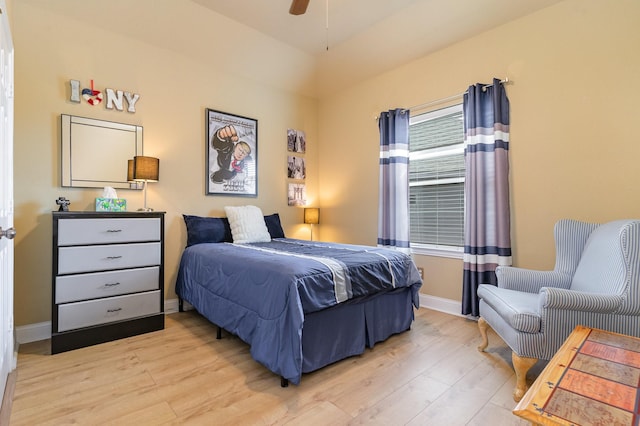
296 167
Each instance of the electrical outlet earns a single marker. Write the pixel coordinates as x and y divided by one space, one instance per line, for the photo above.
421 271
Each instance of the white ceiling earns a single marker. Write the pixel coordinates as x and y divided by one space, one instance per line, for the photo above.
308 32
364 37
367 37
432 21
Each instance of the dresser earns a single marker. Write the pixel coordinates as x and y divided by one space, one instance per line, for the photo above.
108 277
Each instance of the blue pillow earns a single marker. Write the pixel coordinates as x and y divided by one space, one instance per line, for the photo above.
273 225
207 230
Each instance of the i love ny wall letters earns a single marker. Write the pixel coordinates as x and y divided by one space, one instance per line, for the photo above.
115 98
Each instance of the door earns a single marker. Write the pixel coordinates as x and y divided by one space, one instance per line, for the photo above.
7 356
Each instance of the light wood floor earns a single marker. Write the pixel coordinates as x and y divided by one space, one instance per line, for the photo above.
431 375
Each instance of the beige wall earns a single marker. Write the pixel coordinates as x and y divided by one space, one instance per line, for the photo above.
175 89
574 152
574 148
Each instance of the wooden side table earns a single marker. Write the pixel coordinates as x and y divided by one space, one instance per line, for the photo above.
593 379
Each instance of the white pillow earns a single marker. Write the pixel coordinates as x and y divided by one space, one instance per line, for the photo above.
247 224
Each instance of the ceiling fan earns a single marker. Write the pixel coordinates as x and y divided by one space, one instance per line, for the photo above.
298 7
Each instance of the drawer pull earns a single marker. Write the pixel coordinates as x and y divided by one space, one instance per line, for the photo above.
114 257
114 230
111 311
111 284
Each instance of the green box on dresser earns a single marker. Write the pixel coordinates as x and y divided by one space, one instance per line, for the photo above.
108 277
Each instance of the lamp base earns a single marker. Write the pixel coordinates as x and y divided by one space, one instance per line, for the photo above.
145 208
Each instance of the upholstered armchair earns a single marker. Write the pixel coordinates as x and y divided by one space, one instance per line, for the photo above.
595 283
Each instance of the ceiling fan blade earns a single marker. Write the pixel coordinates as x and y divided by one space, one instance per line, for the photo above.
298 7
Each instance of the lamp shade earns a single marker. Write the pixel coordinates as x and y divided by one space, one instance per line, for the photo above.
312 215
146 168
130 171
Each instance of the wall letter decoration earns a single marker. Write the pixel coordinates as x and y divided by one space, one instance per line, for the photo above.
75 90
131 100
114 98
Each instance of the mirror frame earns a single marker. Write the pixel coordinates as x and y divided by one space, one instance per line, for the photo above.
97 133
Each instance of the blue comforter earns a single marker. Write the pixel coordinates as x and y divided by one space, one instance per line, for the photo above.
261 291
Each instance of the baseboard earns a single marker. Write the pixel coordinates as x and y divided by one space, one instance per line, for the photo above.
171 306
448 306
33 332
42 331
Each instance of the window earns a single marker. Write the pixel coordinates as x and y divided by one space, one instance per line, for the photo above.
436 182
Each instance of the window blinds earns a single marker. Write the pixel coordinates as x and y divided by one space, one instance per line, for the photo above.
436 178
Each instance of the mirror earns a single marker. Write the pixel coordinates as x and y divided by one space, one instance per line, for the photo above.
95 152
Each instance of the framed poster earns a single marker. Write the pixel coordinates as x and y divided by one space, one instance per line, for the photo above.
231 154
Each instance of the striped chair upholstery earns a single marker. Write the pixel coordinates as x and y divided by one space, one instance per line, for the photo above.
595 283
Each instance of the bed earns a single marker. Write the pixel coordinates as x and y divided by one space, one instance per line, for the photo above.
300 305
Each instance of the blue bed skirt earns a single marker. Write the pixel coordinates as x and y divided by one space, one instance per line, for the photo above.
346 330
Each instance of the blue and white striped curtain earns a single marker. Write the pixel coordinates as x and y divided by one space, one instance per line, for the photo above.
487 229
393 202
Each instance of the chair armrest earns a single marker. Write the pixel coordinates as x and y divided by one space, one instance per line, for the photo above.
560 298
528 280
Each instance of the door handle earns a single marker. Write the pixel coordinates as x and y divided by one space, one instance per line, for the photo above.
9 233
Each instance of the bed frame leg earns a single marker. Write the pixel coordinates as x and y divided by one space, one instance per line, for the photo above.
180 305
219 333
284 382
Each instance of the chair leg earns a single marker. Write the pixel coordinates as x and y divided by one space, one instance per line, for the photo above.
482 326
521 365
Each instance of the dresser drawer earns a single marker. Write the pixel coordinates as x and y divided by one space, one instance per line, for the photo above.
107 230
103 258
93 312
71 288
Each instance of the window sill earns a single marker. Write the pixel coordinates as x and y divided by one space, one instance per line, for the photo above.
438 251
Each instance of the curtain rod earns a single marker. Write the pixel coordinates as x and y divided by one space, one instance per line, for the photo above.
450 98
447 99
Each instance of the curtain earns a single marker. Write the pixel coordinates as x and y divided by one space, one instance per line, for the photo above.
487 229
393 201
